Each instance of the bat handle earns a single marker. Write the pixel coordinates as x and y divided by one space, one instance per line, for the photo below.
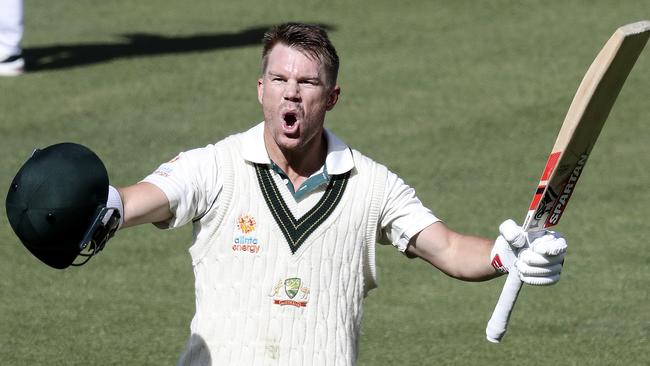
498 323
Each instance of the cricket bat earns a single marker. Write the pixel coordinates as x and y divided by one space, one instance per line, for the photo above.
588 111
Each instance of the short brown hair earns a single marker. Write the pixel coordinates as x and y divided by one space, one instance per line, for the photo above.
307 38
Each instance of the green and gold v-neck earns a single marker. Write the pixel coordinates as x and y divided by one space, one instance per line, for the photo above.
296 231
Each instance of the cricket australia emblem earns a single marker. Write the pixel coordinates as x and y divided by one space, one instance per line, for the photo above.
290 291
244 241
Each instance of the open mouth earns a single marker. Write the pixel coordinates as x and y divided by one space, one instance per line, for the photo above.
290 119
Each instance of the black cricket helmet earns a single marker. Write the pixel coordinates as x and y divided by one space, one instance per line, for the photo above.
56 204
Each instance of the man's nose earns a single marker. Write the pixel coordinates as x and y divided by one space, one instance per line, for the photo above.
292 90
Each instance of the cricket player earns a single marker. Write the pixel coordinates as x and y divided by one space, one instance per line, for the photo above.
285 219
11 34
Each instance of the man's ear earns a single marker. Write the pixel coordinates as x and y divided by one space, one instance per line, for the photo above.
260 90
333 97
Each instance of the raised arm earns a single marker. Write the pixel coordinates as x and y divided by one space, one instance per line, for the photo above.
538 256
460 256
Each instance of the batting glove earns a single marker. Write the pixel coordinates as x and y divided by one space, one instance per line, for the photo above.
538 256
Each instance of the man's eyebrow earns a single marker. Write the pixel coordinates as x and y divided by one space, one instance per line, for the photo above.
301 78
311 79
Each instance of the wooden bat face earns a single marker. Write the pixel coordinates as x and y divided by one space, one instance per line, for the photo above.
587 114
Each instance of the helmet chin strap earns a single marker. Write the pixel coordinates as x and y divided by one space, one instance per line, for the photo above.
104 226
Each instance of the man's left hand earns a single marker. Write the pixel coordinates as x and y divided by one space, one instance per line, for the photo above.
539 256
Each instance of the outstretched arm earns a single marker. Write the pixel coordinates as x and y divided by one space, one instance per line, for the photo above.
144 203
538 256
460 256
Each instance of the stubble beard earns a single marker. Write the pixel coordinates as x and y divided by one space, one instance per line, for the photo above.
300 152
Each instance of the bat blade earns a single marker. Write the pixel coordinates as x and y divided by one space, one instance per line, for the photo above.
585 118
587 114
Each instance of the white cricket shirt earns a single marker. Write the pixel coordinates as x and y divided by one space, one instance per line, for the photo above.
280 280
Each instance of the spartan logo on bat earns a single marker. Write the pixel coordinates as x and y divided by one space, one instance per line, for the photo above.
546 204
561 202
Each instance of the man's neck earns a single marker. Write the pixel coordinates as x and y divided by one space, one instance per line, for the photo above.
299 165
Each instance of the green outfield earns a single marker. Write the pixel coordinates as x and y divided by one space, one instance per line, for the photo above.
463 99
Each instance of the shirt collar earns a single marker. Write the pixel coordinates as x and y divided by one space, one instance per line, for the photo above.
338 161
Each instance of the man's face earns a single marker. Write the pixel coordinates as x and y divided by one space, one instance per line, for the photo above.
295 96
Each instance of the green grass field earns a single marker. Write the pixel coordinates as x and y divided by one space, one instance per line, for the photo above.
462 99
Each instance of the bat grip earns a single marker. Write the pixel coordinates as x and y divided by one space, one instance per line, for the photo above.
498 323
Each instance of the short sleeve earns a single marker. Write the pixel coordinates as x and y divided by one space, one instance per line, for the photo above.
191 183
403 215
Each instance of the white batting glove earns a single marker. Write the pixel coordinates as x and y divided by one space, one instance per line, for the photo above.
539 256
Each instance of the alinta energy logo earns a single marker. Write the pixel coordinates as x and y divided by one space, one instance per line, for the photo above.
246 243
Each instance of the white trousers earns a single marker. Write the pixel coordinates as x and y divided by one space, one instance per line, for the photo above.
11 27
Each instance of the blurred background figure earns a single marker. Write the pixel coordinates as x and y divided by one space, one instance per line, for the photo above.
11 33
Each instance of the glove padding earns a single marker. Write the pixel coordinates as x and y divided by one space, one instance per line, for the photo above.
538 256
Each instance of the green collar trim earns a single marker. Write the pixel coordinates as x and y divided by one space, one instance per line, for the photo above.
297 231
308 186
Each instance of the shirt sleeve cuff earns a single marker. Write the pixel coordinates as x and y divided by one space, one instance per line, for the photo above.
167 190
419 225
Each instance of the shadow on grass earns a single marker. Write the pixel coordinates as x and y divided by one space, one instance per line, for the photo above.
137 45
